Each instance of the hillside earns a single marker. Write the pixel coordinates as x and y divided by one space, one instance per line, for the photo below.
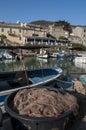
42 23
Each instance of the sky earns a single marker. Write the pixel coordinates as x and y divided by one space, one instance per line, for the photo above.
72 11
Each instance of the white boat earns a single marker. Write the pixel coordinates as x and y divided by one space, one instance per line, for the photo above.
4 55
80 64
13 81
54 55
81 59
43 54
7 56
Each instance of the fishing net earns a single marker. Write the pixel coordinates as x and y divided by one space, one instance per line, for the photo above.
43 102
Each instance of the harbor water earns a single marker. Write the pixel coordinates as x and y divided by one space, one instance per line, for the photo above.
68 66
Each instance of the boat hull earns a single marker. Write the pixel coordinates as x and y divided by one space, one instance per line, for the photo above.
80 59
35 78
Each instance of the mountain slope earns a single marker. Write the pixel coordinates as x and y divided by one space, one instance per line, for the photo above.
42 23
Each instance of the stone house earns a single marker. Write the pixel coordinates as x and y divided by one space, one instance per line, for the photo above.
17 32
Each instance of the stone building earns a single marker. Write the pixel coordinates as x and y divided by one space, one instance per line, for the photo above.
23 33
17 32
78 34
57 31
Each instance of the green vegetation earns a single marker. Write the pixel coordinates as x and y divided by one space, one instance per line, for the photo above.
62 38
42 23
50 36
77 46
2 36
66 25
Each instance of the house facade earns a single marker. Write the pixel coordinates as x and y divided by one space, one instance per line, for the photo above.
22 33
17 32
78 34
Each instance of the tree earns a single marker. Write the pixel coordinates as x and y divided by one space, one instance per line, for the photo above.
50 36
3 38
66 25
62 38
77 46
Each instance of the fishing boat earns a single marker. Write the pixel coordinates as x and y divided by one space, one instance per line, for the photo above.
64 82
80 65
13 81
43 54
80 59
60 54
5 55
53 55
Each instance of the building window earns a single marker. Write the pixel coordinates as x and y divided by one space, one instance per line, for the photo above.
84 35
35 35
2 30
10 31
19 37
19 30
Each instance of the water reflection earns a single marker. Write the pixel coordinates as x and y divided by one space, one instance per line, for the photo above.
32 62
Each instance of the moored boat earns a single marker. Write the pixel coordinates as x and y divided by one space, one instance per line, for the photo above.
83 79
43 54
64 82
53 55
5 55
80 59
60 54
80 65
12 81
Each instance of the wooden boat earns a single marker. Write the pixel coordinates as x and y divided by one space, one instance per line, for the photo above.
64 82
12 81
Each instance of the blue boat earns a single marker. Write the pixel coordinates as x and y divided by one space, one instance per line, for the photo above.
13 81
83 79
60 54
64 82
71 56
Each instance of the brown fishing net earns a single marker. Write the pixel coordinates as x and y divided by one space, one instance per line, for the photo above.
43 102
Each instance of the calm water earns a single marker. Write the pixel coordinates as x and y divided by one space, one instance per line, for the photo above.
67 65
